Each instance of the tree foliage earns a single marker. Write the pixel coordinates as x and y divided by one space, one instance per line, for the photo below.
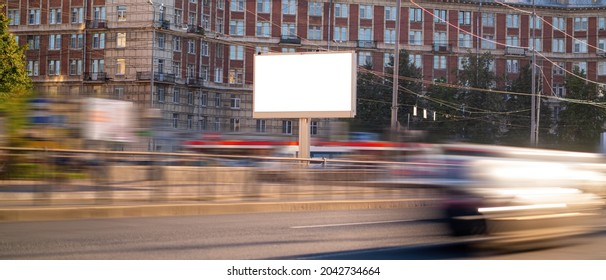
13 73
581 123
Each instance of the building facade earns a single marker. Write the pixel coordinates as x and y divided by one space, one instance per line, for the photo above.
192 60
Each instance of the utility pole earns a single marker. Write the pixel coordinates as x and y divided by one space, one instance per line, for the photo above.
396 74
533 103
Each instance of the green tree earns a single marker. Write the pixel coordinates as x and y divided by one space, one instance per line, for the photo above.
518 112
482 111
375 92
13 73
581 123
443 101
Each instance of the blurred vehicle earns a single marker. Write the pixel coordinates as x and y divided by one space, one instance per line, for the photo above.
514 194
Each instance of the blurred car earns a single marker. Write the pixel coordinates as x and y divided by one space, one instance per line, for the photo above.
514 194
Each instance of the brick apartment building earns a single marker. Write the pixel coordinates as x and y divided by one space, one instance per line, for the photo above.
193 59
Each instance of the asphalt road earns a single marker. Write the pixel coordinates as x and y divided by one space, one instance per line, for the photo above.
413 233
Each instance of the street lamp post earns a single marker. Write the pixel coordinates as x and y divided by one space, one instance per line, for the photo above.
396 74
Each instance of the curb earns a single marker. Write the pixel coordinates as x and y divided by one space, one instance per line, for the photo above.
164 210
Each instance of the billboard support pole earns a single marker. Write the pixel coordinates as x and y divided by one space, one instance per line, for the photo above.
304 137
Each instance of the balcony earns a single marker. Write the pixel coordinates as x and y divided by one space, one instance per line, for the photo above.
96 24
158 77
442 48
194 82
95 76
290 40
195 29
515 51
164 24
366 44
601 53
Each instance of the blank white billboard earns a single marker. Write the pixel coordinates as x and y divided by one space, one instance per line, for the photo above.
305 85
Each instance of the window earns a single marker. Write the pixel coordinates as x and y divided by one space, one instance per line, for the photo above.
416 60
602 68
217 125
365 11
581 67
191 19
387 58
263 6
512 66
190 98
33 17
580 46
236 27
177 69
537 22
341 10
76 41
440 16
161 94
415 37
219 51
390 36
204 99
340 33
288 50
217 100
121 13
601 46
488 42
390 13
315 8
560 90
236 52
462 63
464 40
75 67
287 127
54 67
289 29
263 29
98 66
580 23
314 32
218 75
220 4
99 41
14 17
203 48
99 13
178 17
440 39
464 18
191 71
313 128
234 102
261 126
558 68
439 62
54 16
415 14
602 23
262 50
289 7
206 22
121 40
175 123
33 68
536 44
236 5
203 72
488 19
512 41
176 43
364 59
160 66
220 26
160 40
77 15
120 66
190 121
365 34
176 95
559 23
191 46
558 45
513 21
236 76
33 42
54 42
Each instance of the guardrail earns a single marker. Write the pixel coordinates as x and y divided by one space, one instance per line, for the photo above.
68 177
